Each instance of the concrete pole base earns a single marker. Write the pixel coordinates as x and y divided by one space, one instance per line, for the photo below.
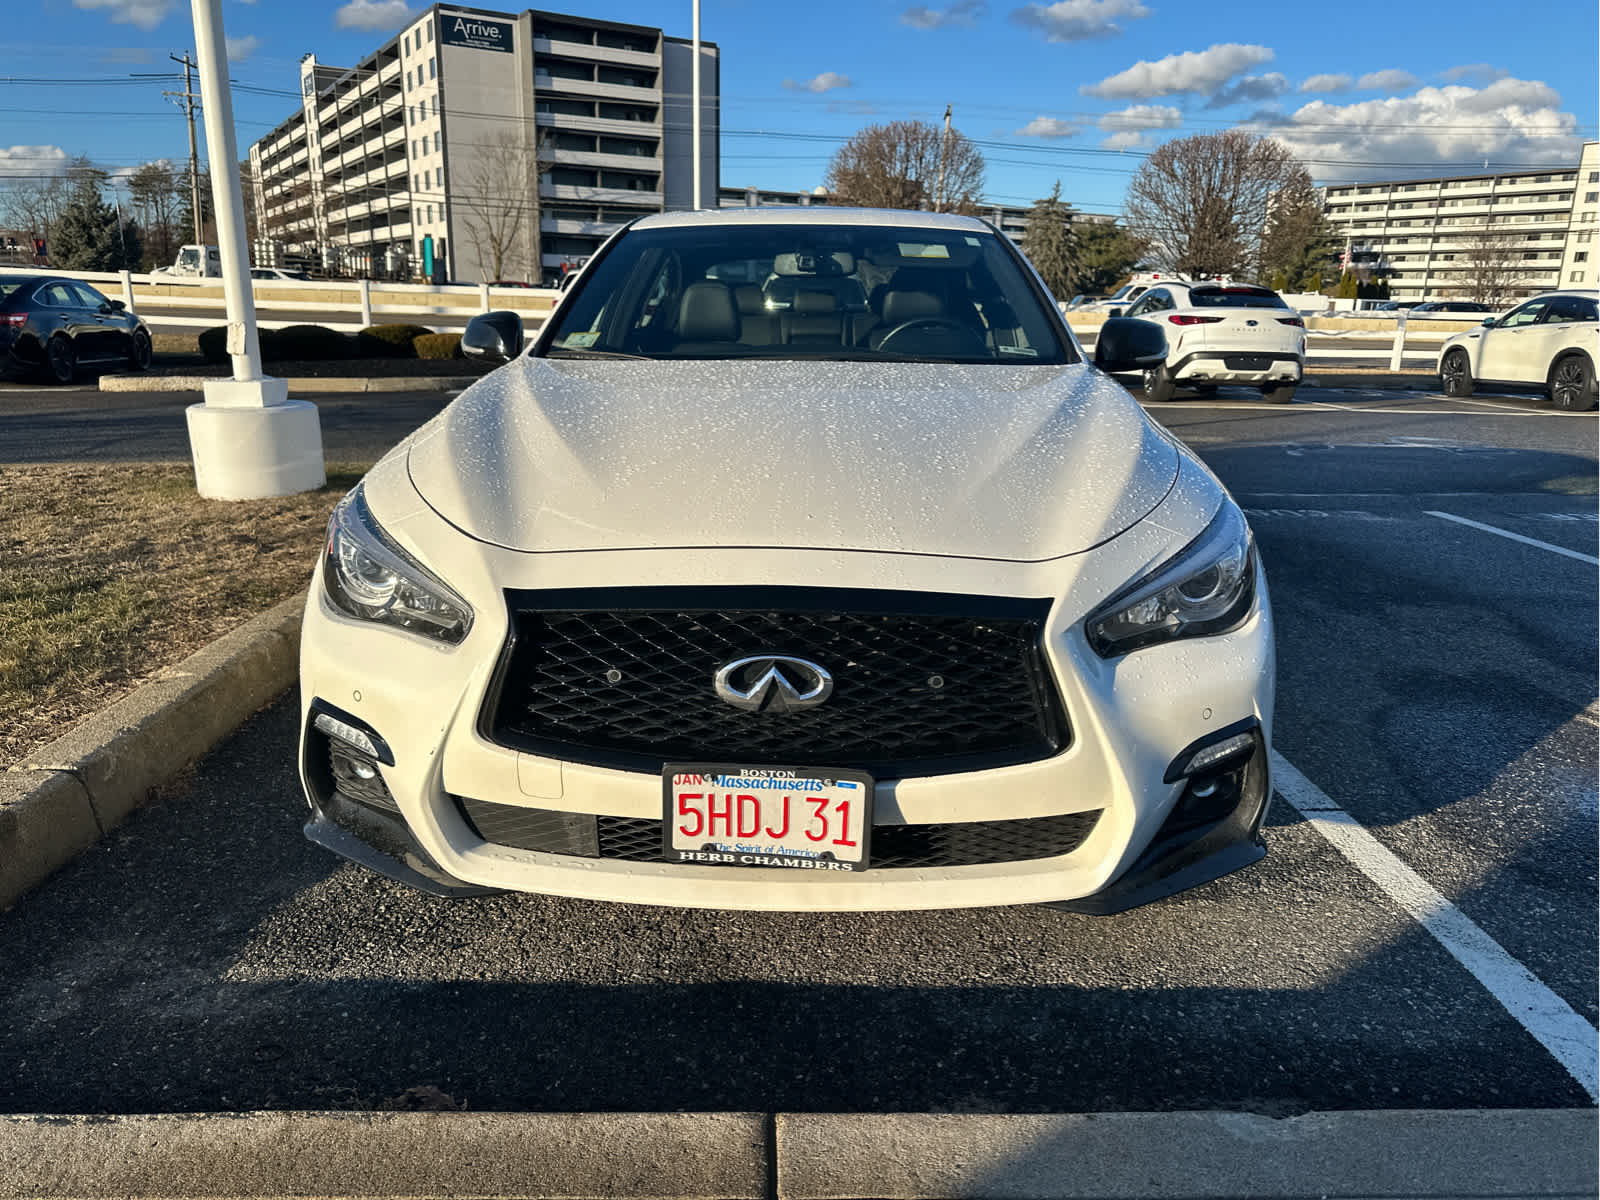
252 453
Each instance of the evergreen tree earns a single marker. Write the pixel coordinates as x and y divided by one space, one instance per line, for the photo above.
1106 255
1048 242
1298 244
1349 286
87 236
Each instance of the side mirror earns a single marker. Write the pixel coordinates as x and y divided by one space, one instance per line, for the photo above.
1488 322
118 306
1115 312
493 337
1129 344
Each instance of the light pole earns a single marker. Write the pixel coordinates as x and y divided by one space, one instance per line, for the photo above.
695 100
249 440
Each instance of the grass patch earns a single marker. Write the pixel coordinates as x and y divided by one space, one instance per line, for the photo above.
110 573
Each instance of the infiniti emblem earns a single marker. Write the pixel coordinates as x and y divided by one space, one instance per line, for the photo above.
773 683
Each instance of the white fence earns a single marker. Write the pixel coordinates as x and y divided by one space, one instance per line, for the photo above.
170 302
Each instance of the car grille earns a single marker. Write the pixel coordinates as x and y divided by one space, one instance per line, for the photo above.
922 684
639 839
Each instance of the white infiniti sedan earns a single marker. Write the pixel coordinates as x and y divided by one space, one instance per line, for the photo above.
1224 333
802 563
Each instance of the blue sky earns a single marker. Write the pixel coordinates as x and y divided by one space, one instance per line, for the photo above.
1074 90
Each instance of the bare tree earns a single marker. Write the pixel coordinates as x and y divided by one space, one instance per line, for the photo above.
156 188
32 206
1202 201
897 166
1298 244
1494 265
496 198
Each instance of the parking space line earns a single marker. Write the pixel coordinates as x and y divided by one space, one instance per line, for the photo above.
1552 1022
1517 537
1492 404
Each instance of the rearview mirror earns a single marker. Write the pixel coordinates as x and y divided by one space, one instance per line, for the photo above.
1129 344
493 337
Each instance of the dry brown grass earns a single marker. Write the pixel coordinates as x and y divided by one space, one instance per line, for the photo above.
110 572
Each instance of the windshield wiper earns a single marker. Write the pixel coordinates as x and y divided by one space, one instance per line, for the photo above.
564 352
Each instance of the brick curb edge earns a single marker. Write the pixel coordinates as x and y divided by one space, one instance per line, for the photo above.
63 797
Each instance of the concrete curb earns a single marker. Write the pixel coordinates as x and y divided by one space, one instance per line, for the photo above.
63 797
1389 381
707 1156
298 383
899 1156
1188 1155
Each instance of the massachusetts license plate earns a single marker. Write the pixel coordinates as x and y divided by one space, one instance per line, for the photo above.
1247 362
801 818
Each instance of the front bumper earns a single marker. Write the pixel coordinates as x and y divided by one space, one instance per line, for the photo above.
1131 717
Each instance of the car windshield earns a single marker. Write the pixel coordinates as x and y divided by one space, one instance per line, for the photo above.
1235 298
793 291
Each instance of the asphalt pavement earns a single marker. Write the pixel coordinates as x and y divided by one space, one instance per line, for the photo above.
1431 564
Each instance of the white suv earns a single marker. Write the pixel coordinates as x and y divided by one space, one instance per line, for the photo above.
1220 333
1546 344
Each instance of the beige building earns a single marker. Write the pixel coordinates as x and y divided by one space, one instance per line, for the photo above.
478 144
1424 234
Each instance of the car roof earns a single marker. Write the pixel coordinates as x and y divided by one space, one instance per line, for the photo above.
814 215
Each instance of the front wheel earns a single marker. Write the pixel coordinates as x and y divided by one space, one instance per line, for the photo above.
142 355
1159 386
61 360
1281 394
1572 383
1455 373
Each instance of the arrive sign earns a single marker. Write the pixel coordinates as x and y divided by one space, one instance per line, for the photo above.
476 33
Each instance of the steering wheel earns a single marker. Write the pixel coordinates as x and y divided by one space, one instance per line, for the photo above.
931 324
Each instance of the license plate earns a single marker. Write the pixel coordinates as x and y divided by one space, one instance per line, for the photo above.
1247 362
800 818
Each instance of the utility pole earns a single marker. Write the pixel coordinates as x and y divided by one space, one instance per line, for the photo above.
188 97
694 99
944 157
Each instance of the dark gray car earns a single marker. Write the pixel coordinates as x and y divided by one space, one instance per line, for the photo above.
53 326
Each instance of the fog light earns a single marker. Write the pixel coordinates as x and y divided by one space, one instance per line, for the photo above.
345 732
355 775
1218 752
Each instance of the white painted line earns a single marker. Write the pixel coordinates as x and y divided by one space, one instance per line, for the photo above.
1517 537
1493 404
1552 1022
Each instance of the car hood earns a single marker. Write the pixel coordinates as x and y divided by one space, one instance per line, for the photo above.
1021 463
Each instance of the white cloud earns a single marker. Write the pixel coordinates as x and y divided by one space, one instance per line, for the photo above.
144 14
826 82
32 160
1076 20
962 12
1047 127
1453 128
1391 80
1127 139
1478 73
1142 116
1250 89
1327 83
241 48
1200 72
375 16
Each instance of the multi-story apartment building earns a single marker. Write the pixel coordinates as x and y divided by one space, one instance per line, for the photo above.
1429 237
478 145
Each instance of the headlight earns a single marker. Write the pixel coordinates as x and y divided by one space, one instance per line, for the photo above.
368 576
1206 588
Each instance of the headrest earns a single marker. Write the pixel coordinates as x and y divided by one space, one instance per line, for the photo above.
804 262
908 306
814 302
750 299
707 314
